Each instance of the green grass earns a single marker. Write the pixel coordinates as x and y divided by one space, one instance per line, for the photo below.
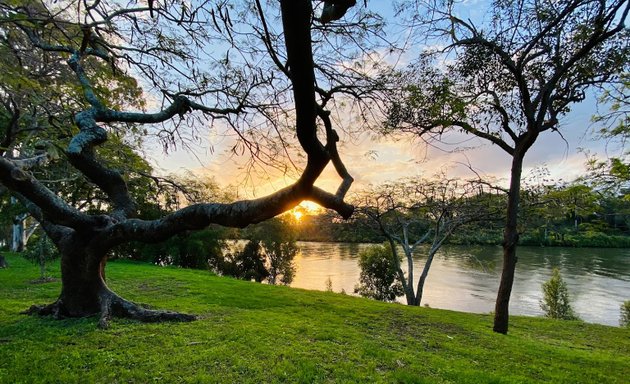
253 333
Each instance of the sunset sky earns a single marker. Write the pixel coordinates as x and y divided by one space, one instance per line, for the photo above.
371 160
375 160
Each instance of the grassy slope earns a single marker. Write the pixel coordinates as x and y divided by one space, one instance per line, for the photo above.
253 333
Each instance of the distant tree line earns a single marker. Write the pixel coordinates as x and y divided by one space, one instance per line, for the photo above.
577 214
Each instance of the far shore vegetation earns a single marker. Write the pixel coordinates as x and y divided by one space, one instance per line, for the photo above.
563 215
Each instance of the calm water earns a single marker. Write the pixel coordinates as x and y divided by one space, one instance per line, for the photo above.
467 278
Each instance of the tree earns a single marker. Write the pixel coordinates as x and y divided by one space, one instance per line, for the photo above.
247 263
276 238
614 125
379 278
413 212
578 200
103 47
42 253
280 255
624 319
555 301
509 81
562 207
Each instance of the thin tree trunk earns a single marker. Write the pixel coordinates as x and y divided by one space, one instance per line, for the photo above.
510 239
30 232
423 276
409 294
401 275
18 238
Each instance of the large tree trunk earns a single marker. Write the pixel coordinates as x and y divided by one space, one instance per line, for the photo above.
83 283
85 293
510 239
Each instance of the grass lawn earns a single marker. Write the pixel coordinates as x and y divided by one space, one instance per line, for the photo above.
253 333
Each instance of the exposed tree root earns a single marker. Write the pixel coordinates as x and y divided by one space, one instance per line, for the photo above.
112 306
52 309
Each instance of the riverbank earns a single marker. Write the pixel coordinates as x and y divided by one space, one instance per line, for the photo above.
253 333
466 278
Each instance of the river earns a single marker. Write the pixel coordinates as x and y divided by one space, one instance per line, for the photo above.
466 278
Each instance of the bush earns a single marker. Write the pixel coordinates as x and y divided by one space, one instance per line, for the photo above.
277 243
379 278
268 259
198 250
247 263
328 285
624 320
280 255
555 300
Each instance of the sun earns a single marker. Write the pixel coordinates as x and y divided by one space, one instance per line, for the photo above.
310 207
305 208
297 215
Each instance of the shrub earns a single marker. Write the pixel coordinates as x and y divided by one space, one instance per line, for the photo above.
247 263
328 284
379 278
267 259
198 250
624 320
555 301
280 255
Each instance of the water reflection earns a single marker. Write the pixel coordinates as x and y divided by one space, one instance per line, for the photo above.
467 278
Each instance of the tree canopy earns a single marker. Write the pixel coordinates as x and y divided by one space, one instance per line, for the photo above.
86 81
507 79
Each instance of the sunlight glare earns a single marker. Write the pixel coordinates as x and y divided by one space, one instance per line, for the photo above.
303 209
311 207
297 215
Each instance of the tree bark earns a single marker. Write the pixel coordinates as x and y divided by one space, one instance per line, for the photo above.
510 240
407 287
423 276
